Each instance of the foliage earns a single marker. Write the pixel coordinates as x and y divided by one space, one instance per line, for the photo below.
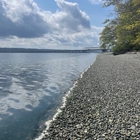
122 33
108 35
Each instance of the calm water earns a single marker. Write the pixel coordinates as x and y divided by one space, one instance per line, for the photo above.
31 89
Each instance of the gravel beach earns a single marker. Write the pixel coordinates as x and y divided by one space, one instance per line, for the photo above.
105 103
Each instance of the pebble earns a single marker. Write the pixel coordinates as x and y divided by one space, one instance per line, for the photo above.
104 105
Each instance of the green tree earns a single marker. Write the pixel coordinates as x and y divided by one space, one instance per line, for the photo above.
108 35
126 28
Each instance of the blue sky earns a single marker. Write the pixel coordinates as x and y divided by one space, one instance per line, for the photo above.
93 9
51 24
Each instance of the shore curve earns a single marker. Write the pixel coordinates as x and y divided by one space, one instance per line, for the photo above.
104 104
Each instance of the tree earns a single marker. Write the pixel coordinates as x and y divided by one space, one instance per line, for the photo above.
108 35
123 32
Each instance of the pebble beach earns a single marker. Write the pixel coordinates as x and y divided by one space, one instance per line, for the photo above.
104 104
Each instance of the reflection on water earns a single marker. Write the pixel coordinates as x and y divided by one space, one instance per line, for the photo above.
31 88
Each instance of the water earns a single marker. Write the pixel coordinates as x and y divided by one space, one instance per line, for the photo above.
32 87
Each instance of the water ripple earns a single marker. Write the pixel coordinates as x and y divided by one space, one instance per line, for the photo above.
31 88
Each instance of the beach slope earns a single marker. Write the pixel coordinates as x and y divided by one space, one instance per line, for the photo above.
104 104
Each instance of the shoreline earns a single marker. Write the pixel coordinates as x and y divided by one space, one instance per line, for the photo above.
104 104
64 101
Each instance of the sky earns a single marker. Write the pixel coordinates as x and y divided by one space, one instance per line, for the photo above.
51 24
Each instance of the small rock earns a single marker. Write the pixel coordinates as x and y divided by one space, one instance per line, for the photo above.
133 127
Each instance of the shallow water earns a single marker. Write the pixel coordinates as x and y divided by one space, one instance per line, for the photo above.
32 87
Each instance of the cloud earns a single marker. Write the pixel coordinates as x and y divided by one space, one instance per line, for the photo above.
24 24
61 40
21 19
96 1
24 19
74 14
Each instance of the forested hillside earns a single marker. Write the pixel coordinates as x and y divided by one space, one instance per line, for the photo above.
122 33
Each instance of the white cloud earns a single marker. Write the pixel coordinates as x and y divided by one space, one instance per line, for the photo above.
24 24
24 19
96 1
85 38
74 14
21 19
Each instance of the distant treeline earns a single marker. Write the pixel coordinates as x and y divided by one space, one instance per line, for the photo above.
25 50
122 33
22 50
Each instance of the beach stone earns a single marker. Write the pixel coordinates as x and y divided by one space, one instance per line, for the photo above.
133 127
104 104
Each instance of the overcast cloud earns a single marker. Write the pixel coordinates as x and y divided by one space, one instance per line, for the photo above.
24 24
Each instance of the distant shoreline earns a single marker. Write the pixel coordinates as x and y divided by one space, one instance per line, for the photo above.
24 50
